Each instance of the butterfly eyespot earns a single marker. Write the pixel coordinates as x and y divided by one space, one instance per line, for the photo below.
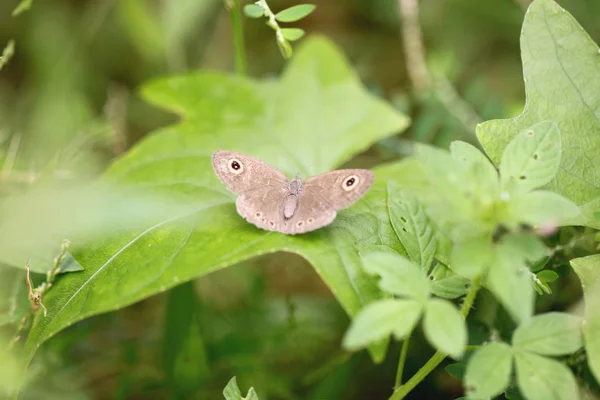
299 223
258 215
310 221
264 220
235 166
350 183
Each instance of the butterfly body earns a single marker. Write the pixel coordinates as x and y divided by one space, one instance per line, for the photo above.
271 201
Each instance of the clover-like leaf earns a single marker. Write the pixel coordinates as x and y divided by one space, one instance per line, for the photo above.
485 176
539 207
562 82
445 327
314 118
588 270
412 226
380 319
292 34
550 334
253 11
447 284
488 371
541 378
398 275
531 159
295 13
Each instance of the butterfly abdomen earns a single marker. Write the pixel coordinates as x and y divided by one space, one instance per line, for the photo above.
290 204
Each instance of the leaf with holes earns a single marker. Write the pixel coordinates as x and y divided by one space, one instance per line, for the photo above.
562 82
531 159
412 226
313 119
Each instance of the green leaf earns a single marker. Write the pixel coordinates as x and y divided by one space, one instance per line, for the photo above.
445 283
398 275
445 327
547 275
7 53
531 159
485 176
278 122
542 378
412 226
292 34
232 390
488 371
539 207
380 319
253 11
550 334
23 6
562 80
295 13
588 271
471 257
510 281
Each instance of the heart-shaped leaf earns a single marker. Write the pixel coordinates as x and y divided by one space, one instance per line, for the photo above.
316 117
562 82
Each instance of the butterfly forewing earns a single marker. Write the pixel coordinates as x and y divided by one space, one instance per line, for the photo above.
242 173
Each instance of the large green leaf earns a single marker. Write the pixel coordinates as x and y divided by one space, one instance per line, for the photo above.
588 270
312 120
562 82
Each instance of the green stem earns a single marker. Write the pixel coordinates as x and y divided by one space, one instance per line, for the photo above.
401 362
438 357
238 37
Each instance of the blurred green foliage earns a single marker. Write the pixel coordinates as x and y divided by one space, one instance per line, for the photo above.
69 105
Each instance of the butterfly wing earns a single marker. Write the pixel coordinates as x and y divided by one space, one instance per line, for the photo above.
242 173
340 188
262 207
313 212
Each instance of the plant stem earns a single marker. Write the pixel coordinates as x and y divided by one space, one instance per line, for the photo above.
238 37
438 357
401 362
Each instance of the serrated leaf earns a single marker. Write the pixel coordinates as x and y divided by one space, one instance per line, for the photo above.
550 334
531 159
588 271
539 207
542 378
547 275
488 371
295 13
278 122
447 284
292 34
562 79
253 11
445 327
412 226
380 319
398 275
